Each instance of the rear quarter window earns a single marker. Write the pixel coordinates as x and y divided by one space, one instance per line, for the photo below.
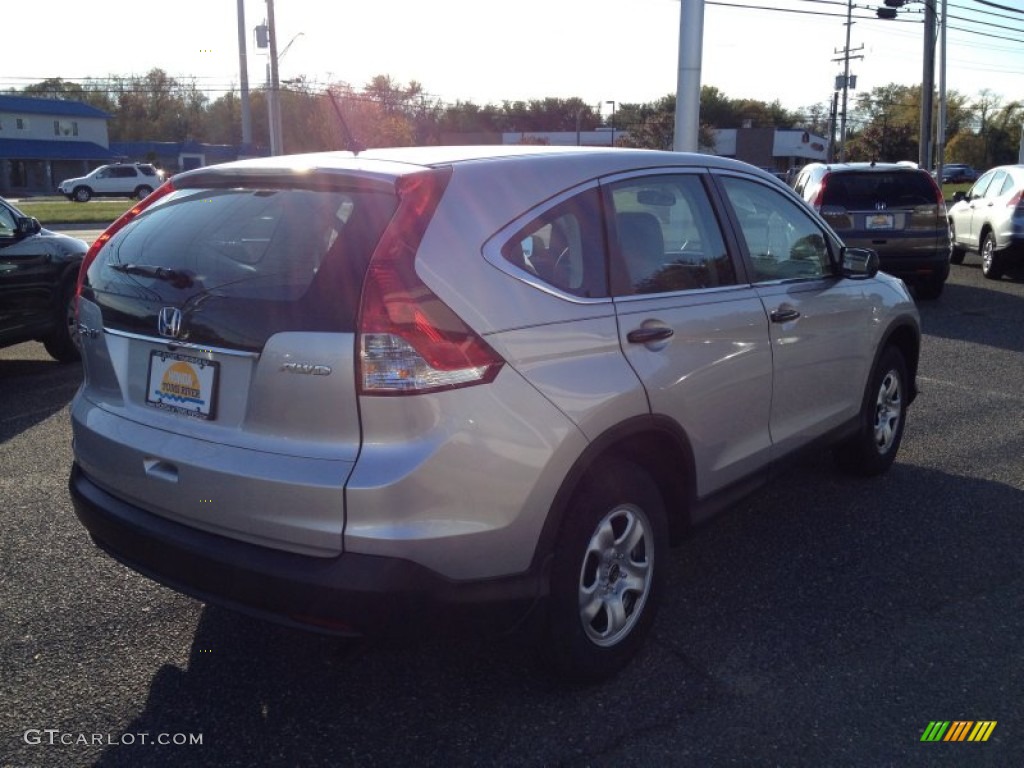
564 247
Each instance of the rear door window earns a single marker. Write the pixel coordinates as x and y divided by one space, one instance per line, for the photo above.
666 237
243 263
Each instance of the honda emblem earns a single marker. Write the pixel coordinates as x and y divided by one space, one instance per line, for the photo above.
168 322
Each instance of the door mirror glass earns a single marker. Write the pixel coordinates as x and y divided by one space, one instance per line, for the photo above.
859 263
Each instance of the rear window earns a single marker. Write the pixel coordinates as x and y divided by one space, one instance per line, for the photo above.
868 190
242 264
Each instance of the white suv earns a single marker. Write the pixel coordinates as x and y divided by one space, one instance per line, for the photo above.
121 180
365 393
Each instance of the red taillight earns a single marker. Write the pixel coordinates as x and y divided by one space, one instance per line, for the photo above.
939 199
410 341
816 202
164 189
1014 201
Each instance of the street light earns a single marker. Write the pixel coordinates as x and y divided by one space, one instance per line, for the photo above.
612 121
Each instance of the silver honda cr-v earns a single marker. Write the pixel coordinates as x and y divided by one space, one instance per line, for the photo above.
363 393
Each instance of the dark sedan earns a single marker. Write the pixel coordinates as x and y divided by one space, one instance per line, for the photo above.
38 269
957 173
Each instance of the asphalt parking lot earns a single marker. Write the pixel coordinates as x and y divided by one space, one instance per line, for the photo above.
825 621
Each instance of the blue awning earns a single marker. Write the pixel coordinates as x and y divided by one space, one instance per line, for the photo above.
41 149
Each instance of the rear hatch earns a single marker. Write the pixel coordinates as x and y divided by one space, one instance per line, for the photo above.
896 212
220 387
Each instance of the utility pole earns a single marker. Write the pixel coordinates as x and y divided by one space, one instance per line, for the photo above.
940 129
691 50
273 102
243 66
927 86
845 58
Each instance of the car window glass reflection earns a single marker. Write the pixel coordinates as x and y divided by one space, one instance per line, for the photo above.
782 239
563 247
667 237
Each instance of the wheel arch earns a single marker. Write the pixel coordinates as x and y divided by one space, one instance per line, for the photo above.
657 445
986 229
907 339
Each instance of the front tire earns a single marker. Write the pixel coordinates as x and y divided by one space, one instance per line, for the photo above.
82 194
991 261
883 415
607 574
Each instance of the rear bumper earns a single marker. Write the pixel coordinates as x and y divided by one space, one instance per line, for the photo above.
351 594
916 267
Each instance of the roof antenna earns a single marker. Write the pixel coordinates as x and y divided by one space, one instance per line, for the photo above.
351 144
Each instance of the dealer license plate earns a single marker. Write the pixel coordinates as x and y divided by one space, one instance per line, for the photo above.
881 221
183 384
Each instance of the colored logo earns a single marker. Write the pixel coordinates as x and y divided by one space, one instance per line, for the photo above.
958 730
180 383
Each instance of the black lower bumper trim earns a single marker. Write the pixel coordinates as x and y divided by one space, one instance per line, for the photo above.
351 594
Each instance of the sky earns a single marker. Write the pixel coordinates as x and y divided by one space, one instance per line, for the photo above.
624 51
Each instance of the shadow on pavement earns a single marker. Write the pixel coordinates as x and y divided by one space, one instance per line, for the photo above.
777 637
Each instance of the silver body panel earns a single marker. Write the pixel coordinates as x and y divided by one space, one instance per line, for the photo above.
462 481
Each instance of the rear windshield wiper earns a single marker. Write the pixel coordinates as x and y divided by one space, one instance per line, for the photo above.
175 277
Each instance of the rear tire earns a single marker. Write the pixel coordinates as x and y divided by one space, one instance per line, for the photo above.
991 260
883 415
63 342
607 574
956 253
143 192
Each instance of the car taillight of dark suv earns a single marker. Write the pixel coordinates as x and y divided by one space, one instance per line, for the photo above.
894 209
401 389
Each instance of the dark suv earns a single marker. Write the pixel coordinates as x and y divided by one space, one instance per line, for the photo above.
894 209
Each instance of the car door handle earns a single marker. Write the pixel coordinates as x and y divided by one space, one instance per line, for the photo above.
784 315
647 335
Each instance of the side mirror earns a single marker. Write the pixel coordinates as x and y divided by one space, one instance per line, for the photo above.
28 225
859 263
959 195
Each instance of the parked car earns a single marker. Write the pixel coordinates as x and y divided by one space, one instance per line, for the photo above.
958 173
896 209
120 180
416 386
989 220
37 284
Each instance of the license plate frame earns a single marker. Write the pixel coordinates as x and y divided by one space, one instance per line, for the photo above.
881 221
183 384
